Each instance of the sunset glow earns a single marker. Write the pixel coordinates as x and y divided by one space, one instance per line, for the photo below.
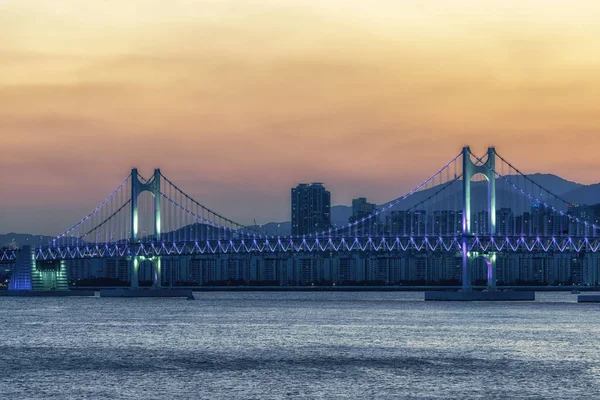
238 101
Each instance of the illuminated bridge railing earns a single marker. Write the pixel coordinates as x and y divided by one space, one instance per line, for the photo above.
506 244
8 255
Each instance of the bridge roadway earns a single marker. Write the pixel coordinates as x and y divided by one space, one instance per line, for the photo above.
439 215
487 244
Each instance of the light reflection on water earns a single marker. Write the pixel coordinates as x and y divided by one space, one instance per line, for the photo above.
298 345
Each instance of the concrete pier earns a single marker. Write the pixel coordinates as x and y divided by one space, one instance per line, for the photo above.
480 296
187 293
47 293
588 298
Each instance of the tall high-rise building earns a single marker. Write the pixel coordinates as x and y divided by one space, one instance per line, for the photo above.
361 209
505 222
480 222
584 213
410 223
311 209
117 268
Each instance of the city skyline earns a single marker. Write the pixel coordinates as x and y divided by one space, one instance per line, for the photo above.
574 188
247 101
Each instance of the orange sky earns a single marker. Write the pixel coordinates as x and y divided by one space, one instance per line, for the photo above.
240 100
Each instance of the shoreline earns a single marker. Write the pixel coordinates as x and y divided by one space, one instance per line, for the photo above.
354 288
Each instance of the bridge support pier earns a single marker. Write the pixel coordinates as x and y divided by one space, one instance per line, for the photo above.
466 268
490 261
526 295
135 268
157 282
491 272
135 272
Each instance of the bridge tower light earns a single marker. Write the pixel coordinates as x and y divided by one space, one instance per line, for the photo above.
138 187
471 169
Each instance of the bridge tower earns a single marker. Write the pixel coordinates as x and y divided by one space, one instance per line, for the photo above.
137 188
471 169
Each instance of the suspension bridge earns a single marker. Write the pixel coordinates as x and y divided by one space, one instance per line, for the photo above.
475 207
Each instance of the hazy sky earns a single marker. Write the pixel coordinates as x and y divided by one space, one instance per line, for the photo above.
237 101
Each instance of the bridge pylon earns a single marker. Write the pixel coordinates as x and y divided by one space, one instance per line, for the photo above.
470 169
137 188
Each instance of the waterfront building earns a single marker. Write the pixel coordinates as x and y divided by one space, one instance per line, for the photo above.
377 269
146 271
117 268
174 271
346 268
83 268
308 269
273 269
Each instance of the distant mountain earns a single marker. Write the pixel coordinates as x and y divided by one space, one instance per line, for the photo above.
585 194
555 184
505 195
340 214
22 239
272 228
